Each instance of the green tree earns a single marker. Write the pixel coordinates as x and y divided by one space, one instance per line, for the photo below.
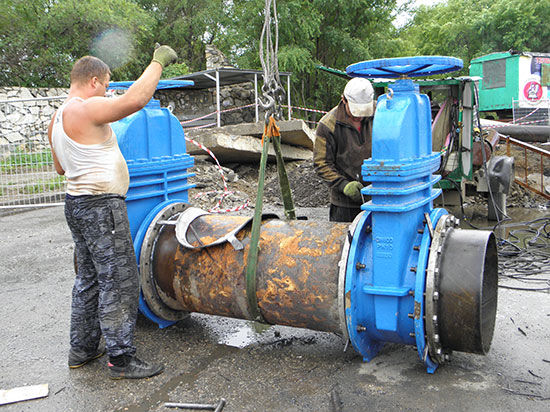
40 40
187 26
471 28
517 24
333 33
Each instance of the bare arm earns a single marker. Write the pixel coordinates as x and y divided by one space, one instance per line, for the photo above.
102 110
56 164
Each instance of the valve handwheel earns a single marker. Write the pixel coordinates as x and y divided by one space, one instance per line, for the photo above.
404 66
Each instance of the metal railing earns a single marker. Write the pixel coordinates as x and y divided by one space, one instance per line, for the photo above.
529 150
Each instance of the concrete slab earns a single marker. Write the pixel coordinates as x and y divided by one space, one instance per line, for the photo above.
255 367
294 132
229 147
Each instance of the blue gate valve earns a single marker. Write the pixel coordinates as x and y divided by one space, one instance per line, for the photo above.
410 270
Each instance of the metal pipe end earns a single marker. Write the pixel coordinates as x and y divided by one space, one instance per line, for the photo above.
468 290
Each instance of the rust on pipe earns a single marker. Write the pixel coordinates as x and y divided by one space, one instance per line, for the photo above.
297 274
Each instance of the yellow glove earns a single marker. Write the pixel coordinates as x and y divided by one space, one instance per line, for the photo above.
164 55
353 191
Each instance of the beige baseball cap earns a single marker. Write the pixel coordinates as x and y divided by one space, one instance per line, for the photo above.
360 96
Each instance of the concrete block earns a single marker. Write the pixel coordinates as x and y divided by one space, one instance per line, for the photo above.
293 132
229 148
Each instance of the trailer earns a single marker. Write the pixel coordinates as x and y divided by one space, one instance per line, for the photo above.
514 85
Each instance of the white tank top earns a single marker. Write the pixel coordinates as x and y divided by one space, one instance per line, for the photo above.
90 169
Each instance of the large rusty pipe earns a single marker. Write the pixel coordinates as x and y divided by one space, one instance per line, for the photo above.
303 276
297 278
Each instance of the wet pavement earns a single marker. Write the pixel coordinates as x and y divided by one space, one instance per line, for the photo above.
252 366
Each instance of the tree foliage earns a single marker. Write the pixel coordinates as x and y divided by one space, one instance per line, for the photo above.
187 26
48 36
468 29
41 39
333 33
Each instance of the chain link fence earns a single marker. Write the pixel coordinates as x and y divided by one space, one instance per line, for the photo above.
27 173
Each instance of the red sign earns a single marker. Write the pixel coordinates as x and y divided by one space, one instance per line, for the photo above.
532 91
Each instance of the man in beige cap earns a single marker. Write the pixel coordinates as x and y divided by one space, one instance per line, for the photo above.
343 140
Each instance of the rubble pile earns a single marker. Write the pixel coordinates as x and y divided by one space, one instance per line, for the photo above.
308 190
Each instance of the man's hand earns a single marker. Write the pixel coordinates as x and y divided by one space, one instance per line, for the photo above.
164 55
353 191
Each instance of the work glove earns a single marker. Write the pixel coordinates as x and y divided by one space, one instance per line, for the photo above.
353 191
164 55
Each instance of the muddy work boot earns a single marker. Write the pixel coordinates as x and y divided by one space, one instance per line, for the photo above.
78 358
134 368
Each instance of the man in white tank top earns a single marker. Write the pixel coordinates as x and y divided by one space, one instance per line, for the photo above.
84 148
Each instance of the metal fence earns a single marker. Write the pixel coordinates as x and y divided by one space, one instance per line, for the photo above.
27 174
533 162
536 115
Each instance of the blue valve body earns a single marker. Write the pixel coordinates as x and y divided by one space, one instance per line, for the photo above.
153 143
385 277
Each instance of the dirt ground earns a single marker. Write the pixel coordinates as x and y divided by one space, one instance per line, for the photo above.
258 367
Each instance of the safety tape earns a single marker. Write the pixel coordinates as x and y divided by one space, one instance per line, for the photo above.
514 124
306 109
527 115
201 127
232 109
226 192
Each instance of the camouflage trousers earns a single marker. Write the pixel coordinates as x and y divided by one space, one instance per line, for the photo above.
106 289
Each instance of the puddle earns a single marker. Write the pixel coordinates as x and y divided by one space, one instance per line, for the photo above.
247 334
236 333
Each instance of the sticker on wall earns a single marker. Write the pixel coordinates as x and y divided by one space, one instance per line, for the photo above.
532 91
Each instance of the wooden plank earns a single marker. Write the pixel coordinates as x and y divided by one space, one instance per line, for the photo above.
23 393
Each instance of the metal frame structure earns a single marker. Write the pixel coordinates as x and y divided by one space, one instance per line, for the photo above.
225 76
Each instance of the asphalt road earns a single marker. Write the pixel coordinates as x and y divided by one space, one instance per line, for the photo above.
254 367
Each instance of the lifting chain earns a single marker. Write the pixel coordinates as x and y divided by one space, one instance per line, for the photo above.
272 90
